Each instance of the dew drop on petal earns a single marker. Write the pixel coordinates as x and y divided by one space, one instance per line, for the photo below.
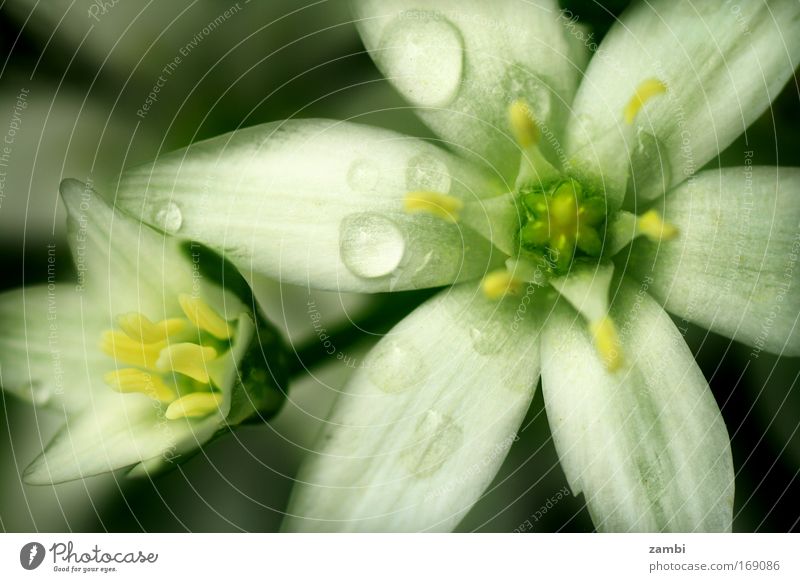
41 395
435 439
370 245
652 172
169 218
427 172
396 366
424 58
488 339
362 176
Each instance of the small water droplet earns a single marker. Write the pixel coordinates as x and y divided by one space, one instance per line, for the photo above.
395 366
427 172
41 395
370 245
363 175
520 83
424 58
169 218
436 437
488 339
652 172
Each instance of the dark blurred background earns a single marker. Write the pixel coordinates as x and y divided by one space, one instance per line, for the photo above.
89 66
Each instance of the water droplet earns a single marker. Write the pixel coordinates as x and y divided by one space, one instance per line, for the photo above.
169 218
363 175
396 367
370 245
436 437
488 339
41 395
520 83
427 172
651 168
423 57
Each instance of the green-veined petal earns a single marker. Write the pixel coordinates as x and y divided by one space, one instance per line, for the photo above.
646 445
463 62
722 64
425 423
315 203
734 267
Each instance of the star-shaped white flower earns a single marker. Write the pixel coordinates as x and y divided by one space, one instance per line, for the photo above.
158 347
573 200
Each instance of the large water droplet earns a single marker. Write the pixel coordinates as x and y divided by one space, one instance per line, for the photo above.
651 168
427 172
395 366
423 57
169 218
363 176
435 439
370 245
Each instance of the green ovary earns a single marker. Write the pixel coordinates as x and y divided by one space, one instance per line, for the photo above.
561 223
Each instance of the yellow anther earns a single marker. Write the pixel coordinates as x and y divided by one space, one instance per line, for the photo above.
194 405
440 205
137 327
126 350
607 343
189 359
651 225
128 380
644 92
498 283
522 124
204 317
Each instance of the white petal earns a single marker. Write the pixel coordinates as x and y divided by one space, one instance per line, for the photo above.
426 421
733 268
121 263
127 431
646 445
463 62
44 355
315 203
722 63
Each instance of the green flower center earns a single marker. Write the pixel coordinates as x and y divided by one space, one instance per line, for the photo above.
562 223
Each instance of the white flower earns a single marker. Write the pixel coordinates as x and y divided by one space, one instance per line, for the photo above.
148 356
534 172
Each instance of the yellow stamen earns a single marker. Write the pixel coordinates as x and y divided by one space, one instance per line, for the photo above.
203 316
137 327
607 343
498 283
644 92
130 351
195 405
522 124
189 359
440 205
128 380
651 225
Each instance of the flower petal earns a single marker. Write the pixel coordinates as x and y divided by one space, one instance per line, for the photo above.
646 445
733 268
44 355
425 423
121 263
316 203
722 64
463 62
112 437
